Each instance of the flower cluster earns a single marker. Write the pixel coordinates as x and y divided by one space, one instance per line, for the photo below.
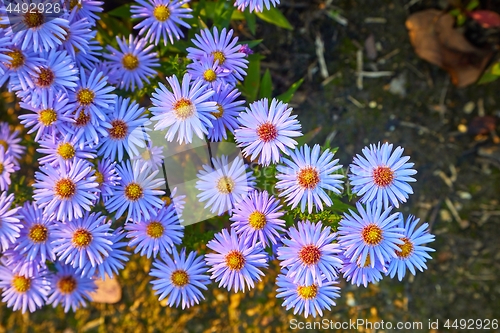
100 184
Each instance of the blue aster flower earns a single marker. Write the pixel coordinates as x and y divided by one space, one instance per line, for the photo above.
222 47
19 263
228 109
161 19
113 262
185 110
86 9
210 73
22 292
83 240
236 263
267 131
133 64
310 299
372 234
59 150
257 218
10 141
66 191
36 235
78 36
152 156
180 278
137 191
307 177
225 184
37 30
106 177
157 234
92 94
69 288
58 73
88 132
128 130
362 273
90 59
10 225
20 68
49 118
309 254
413 252
382 175
7 167
4 57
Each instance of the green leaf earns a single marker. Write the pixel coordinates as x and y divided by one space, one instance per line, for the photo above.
251 21
491 74
122 11
251 84
274 16
266 85
495 69
286 97
472 5
308 136
251 43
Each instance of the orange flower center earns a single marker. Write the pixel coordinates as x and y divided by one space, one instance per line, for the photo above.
45 77
183 109
310 254
38 233
383 176
2 168
372 234
225 185
34 20
21 283
66 150
155 229
85 96
308 178
119 130
179 278
18 59
267 132
133 192
308 292
235 260
219 113
406 248
161 13
47 117
65 188
82 238
130 61
209 75
82 120
218 55
67 284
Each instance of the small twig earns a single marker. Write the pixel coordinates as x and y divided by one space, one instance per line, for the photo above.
480 107
359 69
320 53
376 74
453 211
389 55
356 102
380 20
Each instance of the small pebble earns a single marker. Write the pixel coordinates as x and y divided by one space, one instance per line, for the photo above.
469 107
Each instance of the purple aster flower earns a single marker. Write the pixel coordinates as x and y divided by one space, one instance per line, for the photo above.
152 156
309 253
86 9
21 66
158 233
67 190
359 273
113 262
137 191
225 184
184 111
244 48
58 73
37 30
236 263
223 48
69 288
4 57
372 234
210 73
257 218
20 263
48 118
10 225
82 240
62 149
177 201
88 131
93 95
382 176
228 109
413 252
132 64
161 19
37 234
106 177
22 292
180 279
10 141
127 132
78 36
266 130
7 167
308 299
90 59
307 177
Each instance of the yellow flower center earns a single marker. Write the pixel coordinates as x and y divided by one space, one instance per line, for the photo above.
225 185
133 192
372 234
119 130
99 177
179 278
183 109
85 96
308 292
309 254
74 3
383 176
235 260
406 248
66 150
21 283
209 75
18 59
4 144
45 77
308 178
130 61
38 233
218 55
47 117
65 188
161 13
67 284
82 238
83 119
219 113
267 132
155 229
2 168
257 220
34 20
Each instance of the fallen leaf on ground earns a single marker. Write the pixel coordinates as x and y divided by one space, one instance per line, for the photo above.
108 291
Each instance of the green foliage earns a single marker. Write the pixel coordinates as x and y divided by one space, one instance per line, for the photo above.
491 74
